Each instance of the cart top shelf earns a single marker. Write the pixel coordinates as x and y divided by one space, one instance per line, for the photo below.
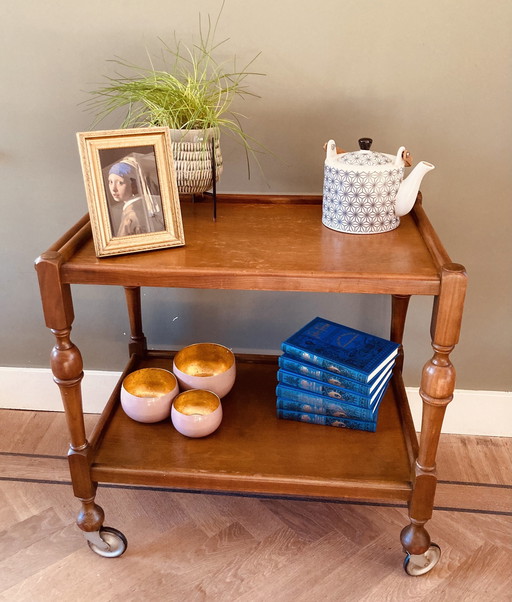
266 243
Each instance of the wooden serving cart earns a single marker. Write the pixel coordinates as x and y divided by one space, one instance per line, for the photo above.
262 243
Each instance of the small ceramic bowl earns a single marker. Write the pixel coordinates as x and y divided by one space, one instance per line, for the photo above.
205 366
147 394
196 413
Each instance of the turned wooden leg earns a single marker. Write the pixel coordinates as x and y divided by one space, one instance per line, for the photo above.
133 301
399 306
91 516
437 386
66 363
67 368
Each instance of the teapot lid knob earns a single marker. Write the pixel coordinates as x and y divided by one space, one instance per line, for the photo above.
365 143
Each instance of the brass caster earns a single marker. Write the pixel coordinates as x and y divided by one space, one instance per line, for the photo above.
107 542
419 564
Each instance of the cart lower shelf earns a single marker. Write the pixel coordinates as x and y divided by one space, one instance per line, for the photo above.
255 452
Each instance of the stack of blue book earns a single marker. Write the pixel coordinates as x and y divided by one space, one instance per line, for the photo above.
334 375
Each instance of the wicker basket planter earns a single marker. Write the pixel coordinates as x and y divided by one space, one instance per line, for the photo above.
192 152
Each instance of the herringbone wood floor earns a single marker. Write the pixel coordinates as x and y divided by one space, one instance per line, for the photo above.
187 547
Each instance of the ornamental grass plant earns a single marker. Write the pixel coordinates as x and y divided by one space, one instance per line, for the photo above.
190 90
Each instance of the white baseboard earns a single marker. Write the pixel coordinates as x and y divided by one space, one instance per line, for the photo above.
471 412
34 389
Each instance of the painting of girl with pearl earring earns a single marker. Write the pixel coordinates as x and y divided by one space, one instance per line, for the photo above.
135 193
131 190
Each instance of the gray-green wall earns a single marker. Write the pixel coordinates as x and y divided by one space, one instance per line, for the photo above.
434 76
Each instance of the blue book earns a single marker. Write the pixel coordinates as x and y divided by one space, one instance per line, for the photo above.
310 371
341 399
340 349
346 423
318 404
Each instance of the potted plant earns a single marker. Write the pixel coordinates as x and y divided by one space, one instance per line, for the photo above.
191 94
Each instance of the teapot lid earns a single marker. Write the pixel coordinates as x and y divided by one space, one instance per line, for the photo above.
365 157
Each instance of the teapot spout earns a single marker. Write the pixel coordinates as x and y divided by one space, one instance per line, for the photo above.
408 190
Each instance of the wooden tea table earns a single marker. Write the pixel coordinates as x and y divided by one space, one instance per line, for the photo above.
273 243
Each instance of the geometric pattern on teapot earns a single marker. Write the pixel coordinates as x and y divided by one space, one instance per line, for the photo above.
359 158
360 202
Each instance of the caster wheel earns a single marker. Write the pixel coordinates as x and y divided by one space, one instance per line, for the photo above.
419 564
116 543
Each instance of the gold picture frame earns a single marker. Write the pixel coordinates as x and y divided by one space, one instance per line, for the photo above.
130 185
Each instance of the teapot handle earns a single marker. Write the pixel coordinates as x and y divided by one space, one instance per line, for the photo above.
332 149
406 156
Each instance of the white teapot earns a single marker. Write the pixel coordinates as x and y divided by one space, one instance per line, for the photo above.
364 191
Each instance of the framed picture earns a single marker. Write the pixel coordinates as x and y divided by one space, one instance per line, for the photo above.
130 184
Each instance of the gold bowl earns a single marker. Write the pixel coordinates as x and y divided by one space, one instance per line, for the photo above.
196 412
207 366
147 394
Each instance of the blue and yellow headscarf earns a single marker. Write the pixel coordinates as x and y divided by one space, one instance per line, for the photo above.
123 170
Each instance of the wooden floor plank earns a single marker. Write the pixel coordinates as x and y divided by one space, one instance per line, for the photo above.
487 569
28 532
28 467
38 555
478 498
475 459
350 579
